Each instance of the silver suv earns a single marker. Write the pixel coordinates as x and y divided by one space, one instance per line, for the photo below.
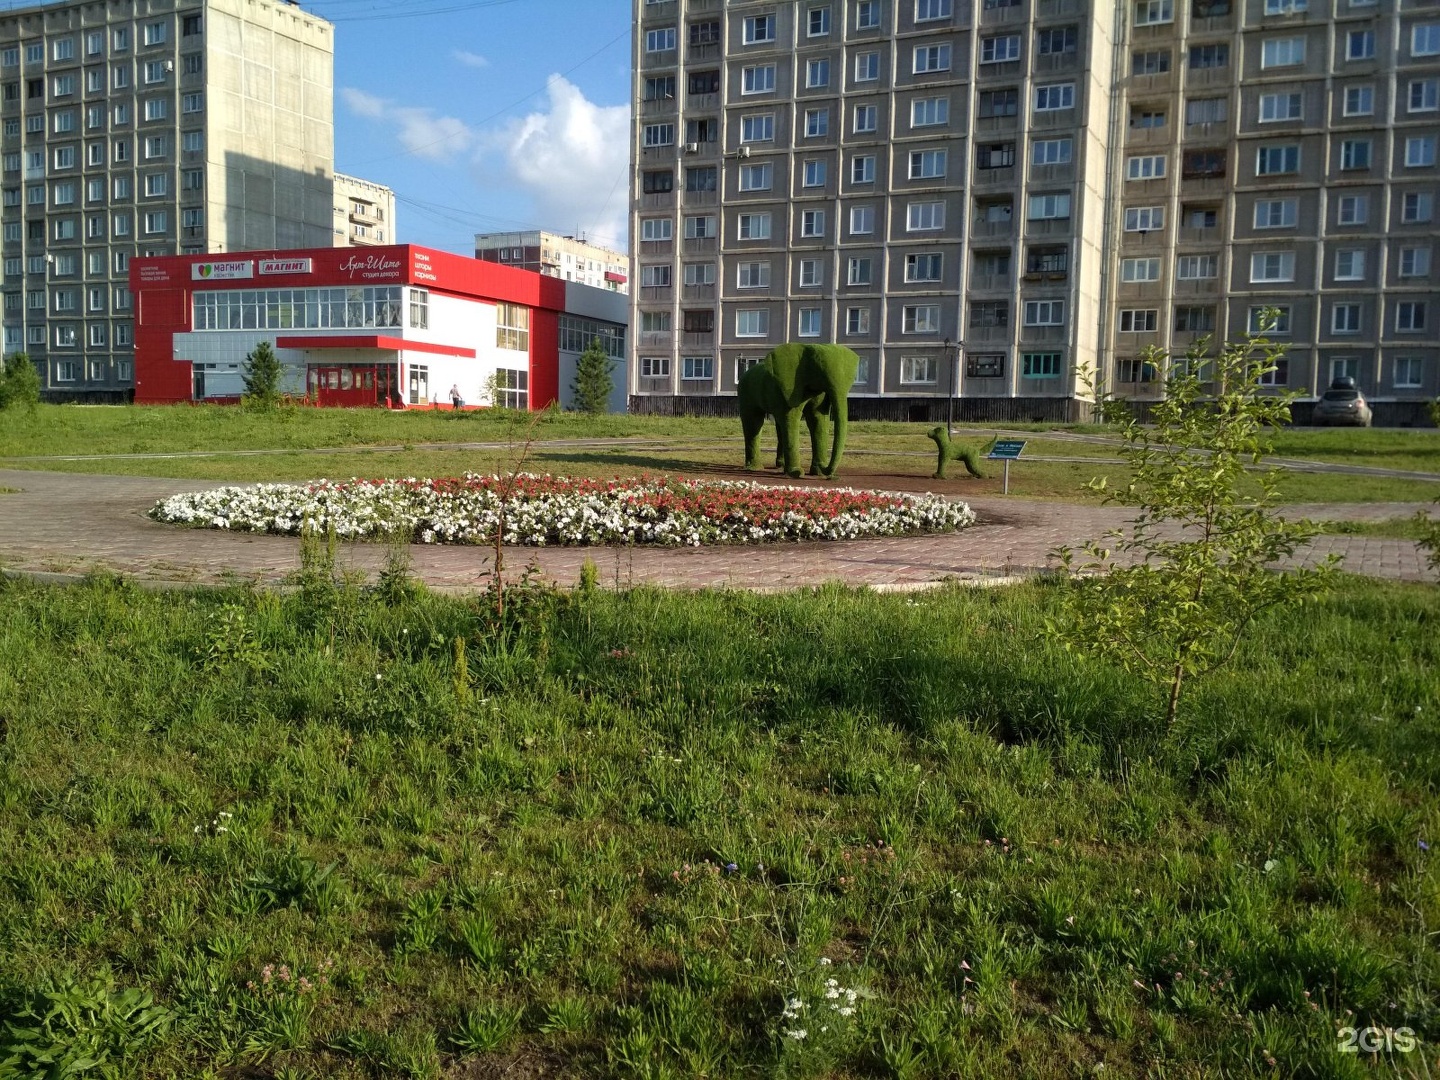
1342 404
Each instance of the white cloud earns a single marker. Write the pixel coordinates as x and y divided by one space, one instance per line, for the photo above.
572 158
420 131
470 59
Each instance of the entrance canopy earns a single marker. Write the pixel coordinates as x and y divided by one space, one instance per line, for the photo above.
380 342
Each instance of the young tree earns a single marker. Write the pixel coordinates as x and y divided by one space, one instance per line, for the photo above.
19 382
1171 598
262 377
593 382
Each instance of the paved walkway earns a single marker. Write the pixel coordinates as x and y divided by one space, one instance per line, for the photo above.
70 523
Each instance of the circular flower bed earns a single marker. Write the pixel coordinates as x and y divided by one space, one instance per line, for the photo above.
542 510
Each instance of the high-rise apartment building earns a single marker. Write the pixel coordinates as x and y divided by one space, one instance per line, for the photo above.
565 257
149 127
1000 201
364 213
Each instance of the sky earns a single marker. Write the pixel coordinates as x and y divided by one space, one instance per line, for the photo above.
486 115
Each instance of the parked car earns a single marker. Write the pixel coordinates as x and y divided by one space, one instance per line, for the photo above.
1342 404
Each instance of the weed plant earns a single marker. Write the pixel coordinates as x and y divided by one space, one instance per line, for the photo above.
347 833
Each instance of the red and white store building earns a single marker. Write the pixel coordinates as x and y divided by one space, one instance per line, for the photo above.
391 326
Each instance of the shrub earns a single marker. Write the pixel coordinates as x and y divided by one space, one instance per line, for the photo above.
19 382
593 382
262 377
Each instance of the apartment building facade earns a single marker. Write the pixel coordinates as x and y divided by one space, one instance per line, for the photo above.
566 257
149 127
1004 202
364 213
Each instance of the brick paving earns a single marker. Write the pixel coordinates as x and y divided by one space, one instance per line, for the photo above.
69 523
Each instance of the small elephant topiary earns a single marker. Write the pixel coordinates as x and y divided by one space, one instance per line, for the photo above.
953 451
795 380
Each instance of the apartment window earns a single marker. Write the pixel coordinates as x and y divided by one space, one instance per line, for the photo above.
1359 101
64 300
1425 39
1282 52
157 184
698 368
1286 7
918 370
757 128
1360 45
122 337
867 67
660 40
657 183
758 80
700 82
809 273
1197 267
1276 107
122 113
999 103
1139 270
925 266
652 229
1409 372
658 135
10 56
1154 62
810 322
66 370
705 33
1273 319
1209 56
930 10
927 164
154 33
95 154
930 112
157 109
1276 213
699 228
752 275
655 322
94 117
190 25
1414 262
699 274
1352 209
1056 40
817 73
192 180
1049 206
1276 160
812 223
64 157
1410 316
1148 167
862 220
154 72
819 21
157 146
1355 154
1153 12
930 58
858 271
1424 95
1147 116
921 319
759 29
1194 320
1420 151
63 194
64 229
817 123
120 76
1201 164
97 334
655 277
1044 312
121 224
924 216
1416 207
1051 151
1349 265
754 226
1000 50
657 88
1044 365
857 320
995 155
1055 96
193 219
35 195
989 313
814 174
862 169
1272 266
703 130
1138 321
654 367
867 14
752 323
156 221
1135 371
192 63
1345 319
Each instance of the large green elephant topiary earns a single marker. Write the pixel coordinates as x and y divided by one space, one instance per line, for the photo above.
795 380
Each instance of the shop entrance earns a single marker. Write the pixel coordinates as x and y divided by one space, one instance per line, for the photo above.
352 385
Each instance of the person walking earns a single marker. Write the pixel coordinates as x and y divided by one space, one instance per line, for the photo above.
455 398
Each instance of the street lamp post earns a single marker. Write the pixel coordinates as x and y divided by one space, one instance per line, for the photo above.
959 347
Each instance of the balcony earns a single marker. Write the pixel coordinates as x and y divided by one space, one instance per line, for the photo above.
1050 119
650 248
1203 78
988 282
1050 63
1136 136
987 334
997 125
1190 235
1047 9
1042 335
701 198
982 228
700 245
1049 226
703 50
663 106
657 294
653 339
697 292
708 102
657 200
1002 177
1046 277
697 339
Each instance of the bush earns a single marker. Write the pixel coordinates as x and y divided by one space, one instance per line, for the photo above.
19 382
262 377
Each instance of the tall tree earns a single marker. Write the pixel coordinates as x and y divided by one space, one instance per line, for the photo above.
593 382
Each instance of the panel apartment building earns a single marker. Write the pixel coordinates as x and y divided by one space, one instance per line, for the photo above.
149 127
985 199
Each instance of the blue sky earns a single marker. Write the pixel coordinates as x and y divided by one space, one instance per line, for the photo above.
486 115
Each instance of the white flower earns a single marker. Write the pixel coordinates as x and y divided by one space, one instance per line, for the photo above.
797 1034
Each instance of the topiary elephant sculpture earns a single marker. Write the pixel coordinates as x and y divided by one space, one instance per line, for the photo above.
792 381
953 451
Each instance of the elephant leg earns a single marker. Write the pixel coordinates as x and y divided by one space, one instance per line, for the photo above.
779 440
792 442
752 422
838 413
818 422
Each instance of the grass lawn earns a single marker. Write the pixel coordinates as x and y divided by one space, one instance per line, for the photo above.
1401 528
342 834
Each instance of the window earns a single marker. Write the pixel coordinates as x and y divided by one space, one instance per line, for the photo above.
1056 40
988 313
654 367
1282 52
817 72
1045 365
1147 116
192 180
120 76
921 319
1275 107
702 130
754 226
1197 267
655 277
1139 270
192 63
857 320
1134 371
817 123
752 275
995 155
97 333
759 29
657 88
655 322
1416 206
1195 320
64 229
1349 265
1044 312
154 72
1272 266
757 128
985 365
1425 39
919 369
1275 160
1049 206
1051 151
157 146
154 33
657 183
1285 7
929 58
867 67
1419 151
157 184
930 112
1209 56
930 10
1276 213
63 194
999 103
35 195
157 109
1359 101
1273 320
1138 321
1409 372
121 225
819 21
656 229
1352 209
812 223
1055 96
1199 164
1360 45
862 220
1153 12
122 113
809 277
699 274
705 33
810 322
1355 154
702 82
1155 62
1414 262
156 221
1345 319
64 157
190 25
660 40
862 169
999 50
1410 316
699 228
1149 167
814 174
1424 95
923 267
858 271
756 177
95 154
924 216
927 164
867 14
658 135
758 80
122 337
752 323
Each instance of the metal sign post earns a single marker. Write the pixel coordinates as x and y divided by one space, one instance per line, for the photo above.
1006 450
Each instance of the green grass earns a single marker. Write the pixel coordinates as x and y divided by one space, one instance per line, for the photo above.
1400 528
502 842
